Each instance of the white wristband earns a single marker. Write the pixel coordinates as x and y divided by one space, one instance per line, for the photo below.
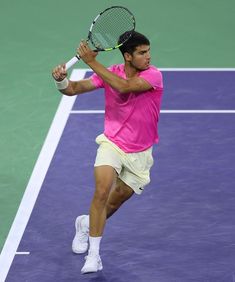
61 85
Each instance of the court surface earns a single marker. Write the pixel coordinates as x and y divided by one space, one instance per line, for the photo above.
181 229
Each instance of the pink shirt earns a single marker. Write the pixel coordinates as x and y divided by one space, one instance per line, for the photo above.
131 118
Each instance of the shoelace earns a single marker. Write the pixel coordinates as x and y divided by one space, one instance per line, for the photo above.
82 236
91 257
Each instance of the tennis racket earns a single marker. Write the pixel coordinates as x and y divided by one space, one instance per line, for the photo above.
106 29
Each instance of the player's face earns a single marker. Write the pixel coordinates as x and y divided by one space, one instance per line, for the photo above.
140 59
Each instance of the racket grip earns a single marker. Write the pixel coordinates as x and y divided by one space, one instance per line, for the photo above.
71 62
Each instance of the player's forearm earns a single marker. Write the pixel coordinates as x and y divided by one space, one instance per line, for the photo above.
74 88
68 91
112 79
71 88
65 87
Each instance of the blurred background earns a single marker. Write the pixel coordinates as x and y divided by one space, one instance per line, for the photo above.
37 35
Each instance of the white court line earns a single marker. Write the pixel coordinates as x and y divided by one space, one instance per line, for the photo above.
40 169
35 182
164 112
22 253
198 111
197 69
77 71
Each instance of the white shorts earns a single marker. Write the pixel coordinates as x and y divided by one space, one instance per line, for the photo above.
132 168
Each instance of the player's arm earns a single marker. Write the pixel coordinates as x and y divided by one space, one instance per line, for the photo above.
135 84
68 87
78 87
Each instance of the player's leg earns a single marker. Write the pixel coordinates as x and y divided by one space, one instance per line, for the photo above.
107 160
104 179
105 176
117 197
121 193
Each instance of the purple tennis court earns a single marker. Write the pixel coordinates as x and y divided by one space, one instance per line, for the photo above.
181 229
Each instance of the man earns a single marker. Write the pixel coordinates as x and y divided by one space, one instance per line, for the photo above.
133 92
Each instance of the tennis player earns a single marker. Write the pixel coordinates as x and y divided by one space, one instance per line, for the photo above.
133 93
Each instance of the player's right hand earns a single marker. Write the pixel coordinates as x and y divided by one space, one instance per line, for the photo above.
59 72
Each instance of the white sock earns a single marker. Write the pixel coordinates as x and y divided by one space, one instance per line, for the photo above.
94 245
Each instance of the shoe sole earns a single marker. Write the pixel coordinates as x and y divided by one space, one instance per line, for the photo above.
100 267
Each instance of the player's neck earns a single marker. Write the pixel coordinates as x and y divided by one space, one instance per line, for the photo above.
130 71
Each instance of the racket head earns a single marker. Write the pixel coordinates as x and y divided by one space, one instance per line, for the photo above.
109 25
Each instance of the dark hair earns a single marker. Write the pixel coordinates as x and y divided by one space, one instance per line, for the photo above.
134 41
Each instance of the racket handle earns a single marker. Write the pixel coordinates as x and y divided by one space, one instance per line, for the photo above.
71 62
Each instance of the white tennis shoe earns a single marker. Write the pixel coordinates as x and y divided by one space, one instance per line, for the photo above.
93 264
80 241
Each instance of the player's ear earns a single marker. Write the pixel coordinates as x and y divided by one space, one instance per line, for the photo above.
127 56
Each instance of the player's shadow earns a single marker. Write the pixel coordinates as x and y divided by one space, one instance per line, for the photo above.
113 271
106 276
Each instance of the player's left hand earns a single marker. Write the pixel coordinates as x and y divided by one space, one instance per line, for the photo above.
59 72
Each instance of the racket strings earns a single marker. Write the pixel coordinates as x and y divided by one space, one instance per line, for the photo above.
110 25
